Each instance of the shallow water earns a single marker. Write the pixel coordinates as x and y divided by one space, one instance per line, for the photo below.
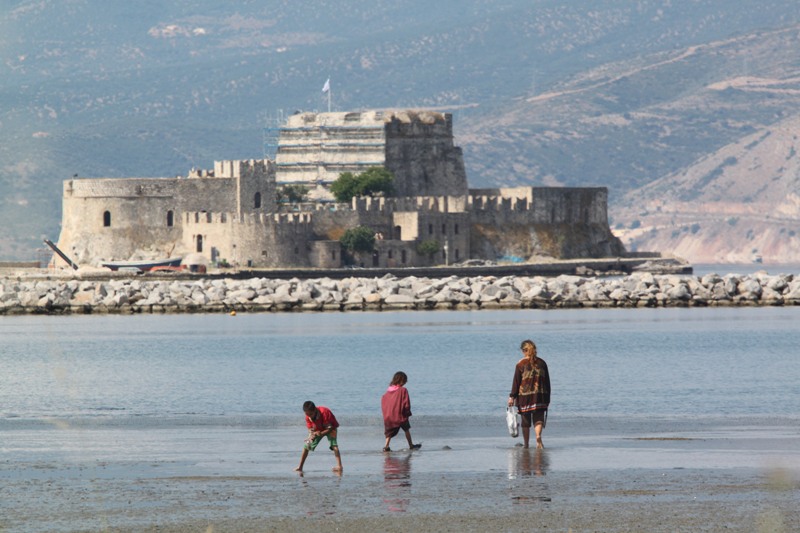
218 369
111 421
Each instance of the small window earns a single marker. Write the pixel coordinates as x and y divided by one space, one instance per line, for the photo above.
403 256
444 229
196 217
170 219
455 229
223 217
199 243
107 219
389 254
257 201
430 229
457 258
208 217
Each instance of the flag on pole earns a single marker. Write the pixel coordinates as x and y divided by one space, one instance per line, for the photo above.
327 86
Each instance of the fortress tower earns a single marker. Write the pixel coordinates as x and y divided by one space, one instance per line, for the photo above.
106 219
416 146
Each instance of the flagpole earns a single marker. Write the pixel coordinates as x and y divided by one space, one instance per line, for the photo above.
329 100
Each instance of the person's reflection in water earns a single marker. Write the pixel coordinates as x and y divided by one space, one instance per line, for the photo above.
397 481
523 464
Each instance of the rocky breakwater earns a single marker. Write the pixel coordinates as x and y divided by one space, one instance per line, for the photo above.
134 295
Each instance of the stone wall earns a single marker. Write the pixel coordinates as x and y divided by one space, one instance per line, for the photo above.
250 240
126 296
108 219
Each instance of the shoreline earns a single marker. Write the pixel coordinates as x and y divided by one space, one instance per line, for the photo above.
133 294
686 480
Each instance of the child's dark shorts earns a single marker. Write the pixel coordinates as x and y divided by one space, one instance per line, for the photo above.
391 432
531 418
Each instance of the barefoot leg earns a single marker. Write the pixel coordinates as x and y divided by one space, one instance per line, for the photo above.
538 428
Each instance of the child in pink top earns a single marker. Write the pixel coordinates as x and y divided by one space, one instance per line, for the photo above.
396 407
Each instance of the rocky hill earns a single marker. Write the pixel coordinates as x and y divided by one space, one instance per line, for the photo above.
716 123
661 101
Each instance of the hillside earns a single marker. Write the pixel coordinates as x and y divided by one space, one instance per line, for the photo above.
607 92
717 125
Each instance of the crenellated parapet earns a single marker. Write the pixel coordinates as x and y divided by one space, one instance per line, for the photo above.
542 205
239 168
193 220
438 204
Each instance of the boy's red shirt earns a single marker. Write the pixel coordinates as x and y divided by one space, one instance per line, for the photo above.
323 421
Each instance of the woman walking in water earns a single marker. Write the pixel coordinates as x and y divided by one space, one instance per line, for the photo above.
531 392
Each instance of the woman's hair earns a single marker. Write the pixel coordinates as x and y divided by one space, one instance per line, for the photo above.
531 344
399 378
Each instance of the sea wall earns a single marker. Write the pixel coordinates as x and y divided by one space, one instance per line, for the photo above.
135 295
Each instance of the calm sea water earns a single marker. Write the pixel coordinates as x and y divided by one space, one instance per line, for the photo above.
220 369
128 421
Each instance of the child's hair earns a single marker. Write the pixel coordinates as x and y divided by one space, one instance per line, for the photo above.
399 378
309 406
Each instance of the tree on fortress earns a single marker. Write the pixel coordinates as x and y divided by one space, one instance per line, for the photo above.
374 181
428 247
360 239
292 193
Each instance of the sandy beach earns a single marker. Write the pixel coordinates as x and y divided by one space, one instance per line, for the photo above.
638 476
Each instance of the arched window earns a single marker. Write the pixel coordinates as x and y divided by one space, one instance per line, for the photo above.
170 218
257 200
199 243
106 219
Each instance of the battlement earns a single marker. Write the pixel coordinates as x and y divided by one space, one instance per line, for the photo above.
438 204
233 168
544 204
201 218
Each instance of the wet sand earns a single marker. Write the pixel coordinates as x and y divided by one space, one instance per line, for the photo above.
645 476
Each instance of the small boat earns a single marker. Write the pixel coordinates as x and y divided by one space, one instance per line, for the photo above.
144 265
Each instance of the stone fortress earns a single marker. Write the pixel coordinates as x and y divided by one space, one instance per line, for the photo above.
231 214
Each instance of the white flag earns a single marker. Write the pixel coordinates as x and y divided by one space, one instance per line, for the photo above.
327 86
